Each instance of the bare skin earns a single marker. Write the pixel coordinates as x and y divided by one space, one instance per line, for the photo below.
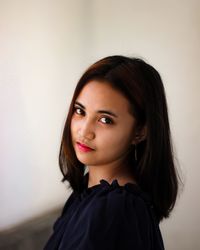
110 136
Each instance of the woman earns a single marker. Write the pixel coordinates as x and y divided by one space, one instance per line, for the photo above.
116 154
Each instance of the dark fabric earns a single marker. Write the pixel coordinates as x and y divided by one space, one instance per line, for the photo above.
107 217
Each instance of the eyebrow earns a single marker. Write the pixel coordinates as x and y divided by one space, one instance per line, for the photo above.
98 111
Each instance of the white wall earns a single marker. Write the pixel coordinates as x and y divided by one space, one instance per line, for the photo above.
45 46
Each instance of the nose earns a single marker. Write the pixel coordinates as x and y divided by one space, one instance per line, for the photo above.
86 131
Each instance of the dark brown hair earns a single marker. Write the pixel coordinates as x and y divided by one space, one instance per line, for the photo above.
154 170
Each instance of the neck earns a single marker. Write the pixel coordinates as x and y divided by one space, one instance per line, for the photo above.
123 175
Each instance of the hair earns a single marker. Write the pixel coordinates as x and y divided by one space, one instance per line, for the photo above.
154 170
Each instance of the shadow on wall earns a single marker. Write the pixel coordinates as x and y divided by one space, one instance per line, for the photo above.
30 235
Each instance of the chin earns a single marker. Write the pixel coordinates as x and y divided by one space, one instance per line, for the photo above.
87 161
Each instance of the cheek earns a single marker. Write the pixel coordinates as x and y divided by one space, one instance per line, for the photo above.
115 140
111 147
74 126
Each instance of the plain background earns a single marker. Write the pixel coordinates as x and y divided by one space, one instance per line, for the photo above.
45 46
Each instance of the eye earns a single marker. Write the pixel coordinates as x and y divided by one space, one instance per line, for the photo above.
78 111
107 120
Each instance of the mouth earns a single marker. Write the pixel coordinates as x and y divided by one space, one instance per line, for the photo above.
83 147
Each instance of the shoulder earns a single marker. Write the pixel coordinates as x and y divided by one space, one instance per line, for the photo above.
125 204
122 213
118 215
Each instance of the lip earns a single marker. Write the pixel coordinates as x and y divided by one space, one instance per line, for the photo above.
83 147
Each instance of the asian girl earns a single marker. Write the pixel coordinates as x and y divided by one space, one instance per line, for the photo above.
116 154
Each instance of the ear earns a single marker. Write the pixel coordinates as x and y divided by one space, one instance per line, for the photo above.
140 135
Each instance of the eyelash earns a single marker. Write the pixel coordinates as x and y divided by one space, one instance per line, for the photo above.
110 120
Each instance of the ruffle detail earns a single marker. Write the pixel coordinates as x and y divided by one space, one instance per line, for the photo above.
130 187
115 184
104 185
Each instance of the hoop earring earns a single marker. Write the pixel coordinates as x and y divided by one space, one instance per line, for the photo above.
135 152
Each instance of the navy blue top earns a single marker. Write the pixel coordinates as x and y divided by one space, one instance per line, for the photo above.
107 217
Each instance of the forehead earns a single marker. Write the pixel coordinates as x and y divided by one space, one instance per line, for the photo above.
97 95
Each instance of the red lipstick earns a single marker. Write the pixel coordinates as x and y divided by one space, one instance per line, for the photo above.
83 147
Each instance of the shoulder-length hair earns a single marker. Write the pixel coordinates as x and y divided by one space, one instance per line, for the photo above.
154 170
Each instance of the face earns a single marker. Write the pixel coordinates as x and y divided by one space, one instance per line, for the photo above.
102 121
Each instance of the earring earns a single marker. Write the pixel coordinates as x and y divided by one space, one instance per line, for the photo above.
135 152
